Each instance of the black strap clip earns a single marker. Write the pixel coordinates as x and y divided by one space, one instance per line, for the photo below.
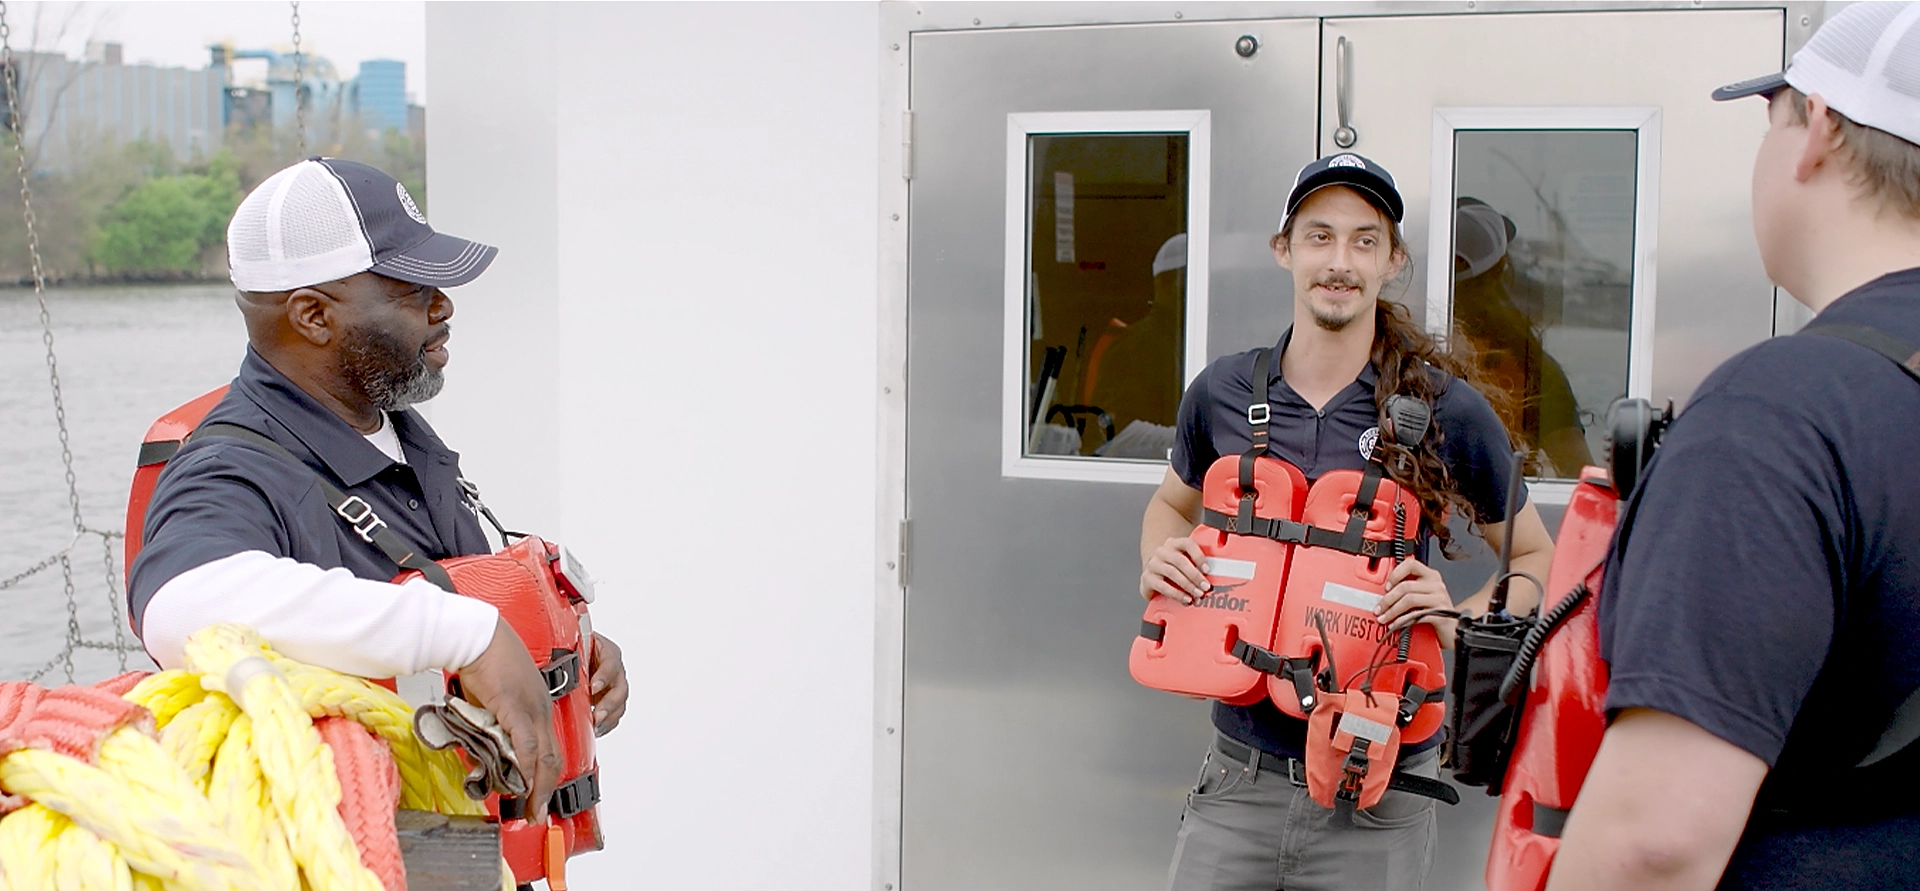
1259 659
562 673
572 797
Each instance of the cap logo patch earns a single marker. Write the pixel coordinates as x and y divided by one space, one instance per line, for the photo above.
406 202
1346 161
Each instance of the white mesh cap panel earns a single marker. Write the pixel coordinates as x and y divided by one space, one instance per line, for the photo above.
296 229
1903 65
1847 40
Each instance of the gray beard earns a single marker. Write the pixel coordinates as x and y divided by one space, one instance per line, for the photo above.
388 375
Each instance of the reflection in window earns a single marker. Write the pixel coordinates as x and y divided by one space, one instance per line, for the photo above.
1543 276
1106 293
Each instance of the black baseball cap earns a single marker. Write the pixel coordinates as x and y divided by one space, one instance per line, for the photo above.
1372 181
324 219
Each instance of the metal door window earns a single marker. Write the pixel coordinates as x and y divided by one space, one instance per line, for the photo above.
1541 267
1106 289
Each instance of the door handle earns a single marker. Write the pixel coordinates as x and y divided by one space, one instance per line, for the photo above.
1345 136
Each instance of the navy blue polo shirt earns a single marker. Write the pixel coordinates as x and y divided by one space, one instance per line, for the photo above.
220 496
1765 586
1213 422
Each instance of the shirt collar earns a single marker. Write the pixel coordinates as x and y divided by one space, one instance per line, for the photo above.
1369 376
345 452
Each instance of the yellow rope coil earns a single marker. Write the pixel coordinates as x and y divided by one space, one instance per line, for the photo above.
194 735
173 838
238 792
297 765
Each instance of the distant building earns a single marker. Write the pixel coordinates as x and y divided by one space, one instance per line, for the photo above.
380 95
68 104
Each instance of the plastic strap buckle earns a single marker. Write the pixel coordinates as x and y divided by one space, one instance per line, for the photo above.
562 674
1259 413
360 517
1259 659
1300 673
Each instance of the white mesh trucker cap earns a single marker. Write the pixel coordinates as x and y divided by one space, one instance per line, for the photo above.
324 219
1865 61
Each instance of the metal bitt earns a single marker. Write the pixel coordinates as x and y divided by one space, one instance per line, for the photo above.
1345 136
1246 46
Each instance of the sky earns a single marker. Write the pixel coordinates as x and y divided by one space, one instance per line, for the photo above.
177 33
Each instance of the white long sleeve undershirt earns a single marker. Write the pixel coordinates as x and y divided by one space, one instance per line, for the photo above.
325 617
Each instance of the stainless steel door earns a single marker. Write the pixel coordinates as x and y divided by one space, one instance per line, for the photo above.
1031 759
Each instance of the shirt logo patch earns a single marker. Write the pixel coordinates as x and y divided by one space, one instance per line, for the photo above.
1367 441
406 203
1347 161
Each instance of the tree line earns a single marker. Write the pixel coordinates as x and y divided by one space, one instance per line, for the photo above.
134 211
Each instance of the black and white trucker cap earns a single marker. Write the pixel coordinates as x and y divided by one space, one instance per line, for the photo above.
1371 180
1865 61
324 219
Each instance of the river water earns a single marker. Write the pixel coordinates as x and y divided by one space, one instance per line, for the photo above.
126 355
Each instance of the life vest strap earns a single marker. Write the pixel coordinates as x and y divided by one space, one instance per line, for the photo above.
1296 771
572 797
1259 659
561 675
1153 631
1295 532
351 509
1548 821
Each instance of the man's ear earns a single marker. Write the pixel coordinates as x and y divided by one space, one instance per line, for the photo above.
313 315
1823 140
1282 254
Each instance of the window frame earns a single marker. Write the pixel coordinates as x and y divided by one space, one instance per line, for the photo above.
1197 126
1644 120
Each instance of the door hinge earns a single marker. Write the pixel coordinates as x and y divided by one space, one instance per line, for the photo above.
906 144
906 543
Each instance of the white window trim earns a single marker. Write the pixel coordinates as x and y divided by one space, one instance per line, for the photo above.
1198 127
1646 217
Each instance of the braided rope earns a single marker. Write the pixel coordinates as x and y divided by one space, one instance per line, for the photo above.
298 767
195 735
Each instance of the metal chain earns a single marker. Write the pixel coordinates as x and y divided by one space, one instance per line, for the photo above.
299 84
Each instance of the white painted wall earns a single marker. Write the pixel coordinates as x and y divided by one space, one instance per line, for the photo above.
672 368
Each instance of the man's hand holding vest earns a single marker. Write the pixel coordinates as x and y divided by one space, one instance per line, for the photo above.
504 681
1173 570
1413 586
609 680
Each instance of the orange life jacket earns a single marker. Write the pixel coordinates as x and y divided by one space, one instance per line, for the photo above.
1296 578
1565 713
538 589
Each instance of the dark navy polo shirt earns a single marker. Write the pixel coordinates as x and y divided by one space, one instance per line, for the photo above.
1213 422
220 496
1765 586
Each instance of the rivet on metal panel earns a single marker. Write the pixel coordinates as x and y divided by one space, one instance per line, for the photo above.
889 564
1179 15
896 218
1246 46
1806 20
975 21
896 46
886 389
889 730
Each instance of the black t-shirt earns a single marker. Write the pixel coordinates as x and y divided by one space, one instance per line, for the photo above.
1213 422
1763 587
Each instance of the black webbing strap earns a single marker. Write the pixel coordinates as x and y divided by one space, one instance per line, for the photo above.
1355 535
1415 697
1259 413
351 509
1902 353
1259 659
1153 631
157 452
1548 821
572 797
1295 532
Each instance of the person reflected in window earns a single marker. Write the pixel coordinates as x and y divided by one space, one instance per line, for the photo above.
1534 398
1137 377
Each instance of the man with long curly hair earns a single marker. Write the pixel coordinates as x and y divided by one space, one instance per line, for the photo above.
1249 825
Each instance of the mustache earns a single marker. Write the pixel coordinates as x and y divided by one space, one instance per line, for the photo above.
1339 279
440 335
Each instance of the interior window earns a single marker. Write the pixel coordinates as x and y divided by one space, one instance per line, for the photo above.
1106 293
1543 280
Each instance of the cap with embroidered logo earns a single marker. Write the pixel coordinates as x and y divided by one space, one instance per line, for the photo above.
1372 181
324 219
1865 62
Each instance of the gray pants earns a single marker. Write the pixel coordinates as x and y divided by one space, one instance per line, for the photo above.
1248 829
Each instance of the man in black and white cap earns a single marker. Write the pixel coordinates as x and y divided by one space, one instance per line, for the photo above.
341 283
1249 823
1761 611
